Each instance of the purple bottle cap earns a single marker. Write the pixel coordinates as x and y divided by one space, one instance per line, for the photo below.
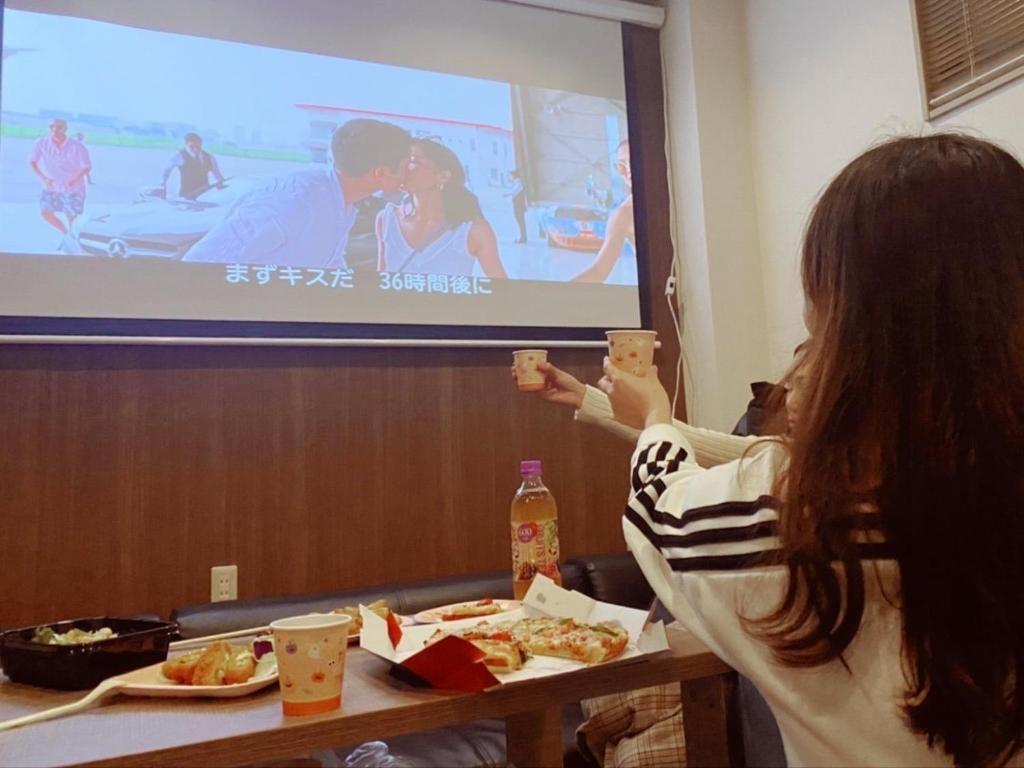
530 468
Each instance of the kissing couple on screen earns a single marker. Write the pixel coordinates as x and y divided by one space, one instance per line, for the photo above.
439 227
304 218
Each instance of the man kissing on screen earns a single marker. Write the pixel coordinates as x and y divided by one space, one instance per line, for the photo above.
303 218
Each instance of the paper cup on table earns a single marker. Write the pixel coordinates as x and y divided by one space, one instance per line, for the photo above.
311 661
528 377
632 351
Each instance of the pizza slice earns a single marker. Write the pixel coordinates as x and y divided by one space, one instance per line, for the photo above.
502 656
485 607
569 639
502 651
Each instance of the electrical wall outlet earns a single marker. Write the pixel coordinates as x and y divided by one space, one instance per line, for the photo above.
223 583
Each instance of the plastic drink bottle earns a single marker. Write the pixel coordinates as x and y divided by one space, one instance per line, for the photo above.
534 531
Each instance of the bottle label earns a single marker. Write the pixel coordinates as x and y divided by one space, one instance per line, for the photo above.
535 549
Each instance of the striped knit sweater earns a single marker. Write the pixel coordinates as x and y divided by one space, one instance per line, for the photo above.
706 540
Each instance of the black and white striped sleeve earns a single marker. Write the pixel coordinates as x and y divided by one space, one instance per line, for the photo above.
699 536
694 519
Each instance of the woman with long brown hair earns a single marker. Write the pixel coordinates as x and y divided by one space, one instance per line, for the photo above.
868 572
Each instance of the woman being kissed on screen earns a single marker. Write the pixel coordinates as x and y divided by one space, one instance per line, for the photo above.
439 228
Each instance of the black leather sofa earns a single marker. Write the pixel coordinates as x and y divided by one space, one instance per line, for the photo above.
614 578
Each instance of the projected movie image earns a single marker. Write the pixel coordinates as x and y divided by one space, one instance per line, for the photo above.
224 167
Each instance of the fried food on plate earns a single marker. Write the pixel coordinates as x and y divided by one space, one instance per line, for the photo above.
220 664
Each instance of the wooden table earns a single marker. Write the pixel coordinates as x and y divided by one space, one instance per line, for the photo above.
203 732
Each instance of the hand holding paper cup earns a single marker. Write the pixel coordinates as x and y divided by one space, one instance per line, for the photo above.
632 351
311 661
528 377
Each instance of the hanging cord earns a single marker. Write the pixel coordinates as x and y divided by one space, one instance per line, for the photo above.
671 282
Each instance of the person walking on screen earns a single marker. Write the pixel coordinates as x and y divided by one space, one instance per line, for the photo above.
194 165
518 195
61 163
303 218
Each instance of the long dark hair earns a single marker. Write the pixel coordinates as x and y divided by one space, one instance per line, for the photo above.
458 203
913 269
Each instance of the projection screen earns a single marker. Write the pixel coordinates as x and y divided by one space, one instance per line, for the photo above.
395 168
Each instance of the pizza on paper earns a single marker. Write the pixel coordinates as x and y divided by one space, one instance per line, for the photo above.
556 631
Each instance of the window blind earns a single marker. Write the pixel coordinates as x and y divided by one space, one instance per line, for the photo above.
967 48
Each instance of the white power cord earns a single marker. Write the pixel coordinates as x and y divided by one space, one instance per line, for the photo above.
673 276
670 296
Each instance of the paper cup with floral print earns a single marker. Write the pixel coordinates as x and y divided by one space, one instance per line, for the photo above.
311 661
528 377
632 351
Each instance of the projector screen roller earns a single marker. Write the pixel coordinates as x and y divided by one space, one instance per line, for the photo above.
460 164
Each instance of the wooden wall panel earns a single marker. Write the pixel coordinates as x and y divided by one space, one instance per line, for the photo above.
127 472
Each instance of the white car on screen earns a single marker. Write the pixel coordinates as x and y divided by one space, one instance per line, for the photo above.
155 227
158 227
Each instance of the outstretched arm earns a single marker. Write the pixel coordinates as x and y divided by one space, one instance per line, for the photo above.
619 225
171 166
484 246
592 406
215 168
559 386
711 447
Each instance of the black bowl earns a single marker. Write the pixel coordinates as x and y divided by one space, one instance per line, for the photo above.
139 643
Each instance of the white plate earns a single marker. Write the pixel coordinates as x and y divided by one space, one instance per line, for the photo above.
149 682
433 615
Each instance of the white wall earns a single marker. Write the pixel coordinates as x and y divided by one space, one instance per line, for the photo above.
824 80
829 78
713 188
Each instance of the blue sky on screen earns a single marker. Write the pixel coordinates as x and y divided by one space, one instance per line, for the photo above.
84 66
